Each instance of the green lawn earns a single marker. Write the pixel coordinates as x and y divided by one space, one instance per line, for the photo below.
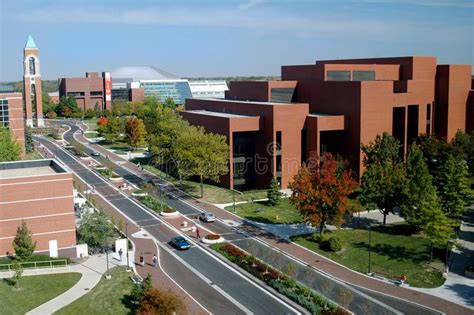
91 135
33 156
282 213
34 291
121 147
212 194
91 124
393 254
107 297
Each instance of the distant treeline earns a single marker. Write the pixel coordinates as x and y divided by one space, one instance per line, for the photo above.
48 86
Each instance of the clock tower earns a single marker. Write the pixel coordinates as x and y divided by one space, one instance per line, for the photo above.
32 85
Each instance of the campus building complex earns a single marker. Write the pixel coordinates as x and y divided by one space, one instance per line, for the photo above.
32 84
333 106
208 88
11 113
39 193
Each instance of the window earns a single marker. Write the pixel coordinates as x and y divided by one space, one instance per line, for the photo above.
283 95
338 76
4 118
75 94
428 119
32 66
363 75
96 93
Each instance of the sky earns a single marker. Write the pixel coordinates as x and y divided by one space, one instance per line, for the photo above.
205 38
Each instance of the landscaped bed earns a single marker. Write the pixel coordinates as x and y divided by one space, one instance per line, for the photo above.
394 253
152 203
212 239
314 303
34 291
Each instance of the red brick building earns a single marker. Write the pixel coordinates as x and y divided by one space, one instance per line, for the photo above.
32 85
332 106
40 193
11 114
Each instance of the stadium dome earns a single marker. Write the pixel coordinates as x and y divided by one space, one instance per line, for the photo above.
138 73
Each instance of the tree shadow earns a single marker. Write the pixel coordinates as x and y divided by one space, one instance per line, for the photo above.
10 282
398 253
396 229
463 291
128 302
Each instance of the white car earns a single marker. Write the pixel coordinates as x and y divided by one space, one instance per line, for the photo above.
207 217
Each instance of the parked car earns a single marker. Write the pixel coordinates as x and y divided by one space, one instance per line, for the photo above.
180 242
207 217
95 153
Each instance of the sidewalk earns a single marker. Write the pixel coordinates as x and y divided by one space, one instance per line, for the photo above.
320 262
92 270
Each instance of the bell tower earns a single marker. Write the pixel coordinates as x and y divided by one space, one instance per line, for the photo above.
32 85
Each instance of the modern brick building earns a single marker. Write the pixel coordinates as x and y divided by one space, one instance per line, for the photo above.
40 193
11 113
333 106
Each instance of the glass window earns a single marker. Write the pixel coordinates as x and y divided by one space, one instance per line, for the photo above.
4 117
96 93
283 95
338 75
75 94
363 75
178 91
32 66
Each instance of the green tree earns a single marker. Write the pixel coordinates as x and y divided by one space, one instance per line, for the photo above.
93 227
454 180
210 157
66 106
273 193
135 131
438 229
169 103
421 198
384 182
29 145
23 243
89 113
17 273
463 148
10 149
111 130
48 105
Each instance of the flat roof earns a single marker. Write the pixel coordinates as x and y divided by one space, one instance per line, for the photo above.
217 114
323 115
249 102
30 168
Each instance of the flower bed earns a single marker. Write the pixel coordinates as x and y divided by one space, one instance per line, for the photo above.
314 303
167 212
212 239
115 177
139 193
151 203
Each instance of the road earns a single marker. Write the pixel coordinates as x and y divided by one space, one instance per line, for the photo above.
366 297
227 292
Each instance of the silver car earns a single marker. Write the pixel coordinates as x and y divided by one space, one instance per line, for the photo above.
207 217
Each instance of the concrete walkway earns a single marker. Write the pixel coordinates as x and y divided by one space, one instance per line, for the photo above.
92 270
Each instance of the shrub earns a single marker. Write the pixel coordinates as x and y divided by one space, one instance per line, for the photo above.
212 236
51 115
169 210
333 244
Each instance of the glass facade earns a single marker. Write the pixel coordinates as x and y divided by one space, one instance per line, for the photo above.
363 75
121 94
4 117
338 75
282 95
177 90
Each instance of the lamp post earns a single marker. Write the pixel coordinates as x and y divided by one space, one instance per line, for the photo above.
233 197
446 268
103 229
370 244
126 235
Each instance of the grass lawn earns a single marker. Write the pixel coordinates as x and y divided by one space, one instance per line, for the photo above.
107 297
34 291
91 124
33 155
393 254
121 147
282 213
91 134
212 194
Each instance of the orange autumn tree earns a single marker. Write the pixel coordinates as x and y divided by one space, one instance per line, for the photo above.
320 194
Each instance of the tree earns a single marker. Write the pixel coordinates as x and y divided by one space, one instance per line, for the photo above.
321 194
93 227
29 145
135 131
23 243
384 181
89 113
161 302
66 106
10 149
454 180
51 115
17 273
102 121
139 289
438 229
169 103
210 156
111 130
421 193
463 148
273 193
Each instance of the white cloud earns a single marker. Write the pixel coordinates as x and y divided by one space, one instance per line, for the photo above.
250 4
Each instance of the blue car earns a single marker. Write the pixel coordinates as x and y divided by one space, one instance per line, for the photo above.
180 242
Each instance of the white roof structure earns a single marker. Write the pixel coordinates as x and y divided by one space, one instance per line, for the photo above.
139 73
205 88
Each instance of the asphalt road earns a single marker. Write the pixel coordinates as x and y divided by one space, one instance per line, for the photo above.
232 235
220 277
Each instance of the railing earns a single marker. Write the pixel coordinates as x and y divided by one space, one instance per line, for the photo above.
28 265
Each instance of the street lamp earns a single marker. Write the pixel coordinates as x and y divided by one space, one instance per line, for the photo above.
103 230
446 268
370 244
233 197
126 235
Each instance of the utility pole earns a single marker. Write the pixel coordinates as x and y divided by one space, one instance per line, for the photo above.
370 244
126 234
